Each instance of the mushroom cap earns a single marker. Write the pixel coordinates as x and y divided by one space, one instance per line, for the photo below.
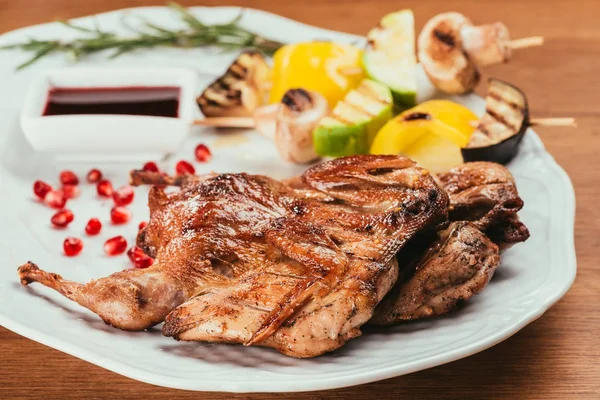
487 44
442 55
298 115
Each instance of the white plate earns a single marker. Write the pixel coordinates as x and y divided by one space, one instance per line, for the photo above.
533 275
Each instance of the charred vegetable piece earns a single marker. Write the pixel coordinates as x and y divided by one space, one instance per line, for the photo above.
332 69
431 133
291 122
503 126
354 122
442 55
240 91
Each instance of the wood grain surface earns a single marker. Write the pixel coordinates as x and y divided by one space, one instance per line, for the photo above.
556 357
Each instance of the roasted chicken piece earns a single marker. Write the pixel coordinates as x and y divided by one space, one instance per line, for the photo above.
327 263
485 193
299 270
457 266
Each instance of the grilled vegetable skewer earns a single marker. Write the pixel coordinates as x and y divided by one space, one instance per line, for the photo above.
289 124
240 91
503 126
451 50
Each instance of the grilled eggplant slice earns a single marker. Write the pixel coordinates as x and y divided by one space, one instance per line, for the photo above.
240 91
502 128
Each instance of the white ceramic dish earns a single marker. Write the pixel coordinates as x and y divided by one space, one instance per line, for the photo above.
92 137
533 275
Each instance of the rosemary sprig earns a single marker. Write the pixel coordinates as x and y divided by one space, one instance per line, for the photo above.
228 36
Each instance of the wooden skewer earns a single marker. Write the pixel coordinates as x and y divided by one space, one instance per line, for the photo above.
526 42
226 122
553 122
570 122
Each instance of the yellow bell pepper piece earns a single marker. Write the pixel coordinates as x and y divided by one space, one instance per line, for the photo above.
432 133
331 69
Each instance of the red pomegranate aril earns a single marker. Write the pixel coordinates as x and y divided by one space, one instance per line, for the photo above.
41 189
119 215
139 258
151 166
183 167
104 188
69 178
203 153
72 246
123 195
115 246
71 191
93 226
55 199
62 218
94 175
142 225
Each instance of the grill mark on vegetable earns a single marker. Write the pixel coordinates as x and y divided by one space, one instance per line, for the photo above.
501 119
444 37
360 110
367 92
297 99
235 73
512 104
416 116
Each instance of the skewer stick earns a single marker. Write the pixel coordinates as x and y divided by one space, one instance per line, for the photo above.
226 122
569 122
526 42
553 122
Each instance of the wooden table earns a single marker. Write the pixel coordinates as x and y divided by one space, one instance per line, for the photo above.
556 357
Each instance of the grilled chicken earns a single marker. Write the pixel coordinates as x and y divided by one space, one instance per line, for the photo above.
327 261
240 91
264 263
458 265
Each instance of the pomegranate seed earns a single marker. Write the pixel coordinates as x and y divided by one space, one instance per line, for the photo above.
55 199
94 175
93 226
142 225
62 218
151 166
123 196
139 258
71 191
69 178
203 153
72 246
116 245
119 215
41 189
104 188
184 167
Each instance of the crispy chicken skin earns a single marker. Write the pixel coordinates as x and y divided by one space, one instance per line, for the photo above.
327 261
259 262
485 193
458 265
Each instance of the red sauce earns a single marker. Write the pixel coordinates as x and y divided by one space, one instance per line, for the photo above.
159 101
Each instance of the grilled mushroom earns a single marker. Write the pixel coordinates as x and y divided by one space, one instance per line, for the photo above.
291 123
442 55
240 91
502 127
487 44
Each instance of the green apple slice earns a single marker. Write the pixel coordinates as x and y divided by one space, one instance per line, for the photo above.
354 122
390 57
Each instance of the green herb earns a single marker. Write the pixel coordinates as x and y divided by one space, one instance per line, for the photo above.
228 36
